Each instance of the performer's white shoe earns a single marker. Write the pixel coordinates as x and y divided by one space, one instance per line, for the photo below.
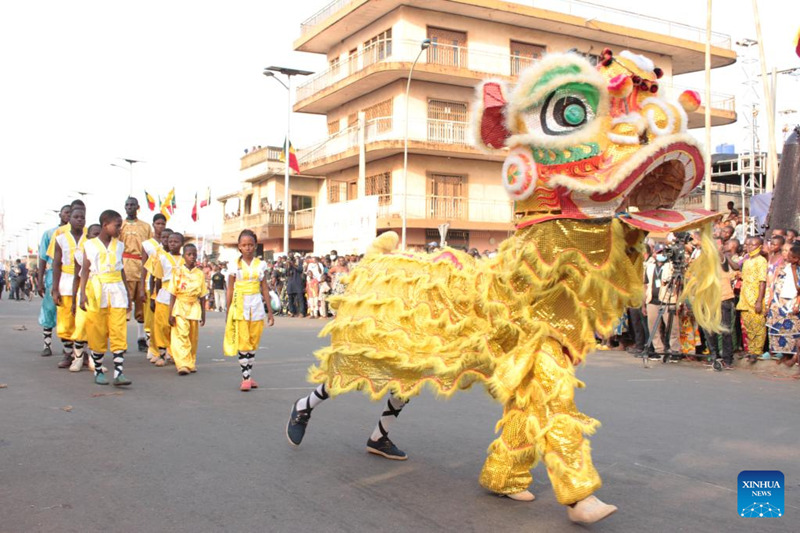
590 510
77 364
524 496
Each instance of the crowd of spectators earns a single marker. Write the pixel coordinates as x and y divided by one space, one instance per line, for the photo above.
18 279
759 287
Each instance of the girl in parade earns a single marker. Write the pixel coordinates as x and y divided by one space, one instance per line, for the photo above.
248 293
187 310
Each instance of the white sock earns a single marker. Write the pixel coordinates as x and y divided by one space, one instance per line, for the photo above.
312 400
140 329
393 408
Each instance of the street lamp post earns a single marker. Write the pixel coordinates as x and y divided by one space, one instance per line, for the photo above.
129 169
288 72
422 47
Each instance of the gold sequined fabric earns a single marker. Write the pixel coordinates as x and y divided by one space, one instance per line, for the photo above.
516 323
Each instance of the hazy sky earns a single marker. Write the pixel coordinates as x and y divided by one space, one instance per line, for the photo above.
178 84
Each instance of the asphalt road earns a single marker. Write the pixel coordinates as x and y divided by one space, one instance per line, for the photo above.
195 454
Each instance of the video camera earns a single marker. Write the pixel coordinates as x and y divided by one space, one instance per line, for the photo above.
676 252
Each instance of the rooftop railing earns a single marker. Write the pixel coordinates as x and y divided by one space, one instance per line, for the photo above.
585 10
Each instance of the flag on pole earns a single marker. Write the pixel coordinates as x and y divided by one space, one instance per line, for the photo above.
292 157
174 205
194 208
167 208
205 202
151 203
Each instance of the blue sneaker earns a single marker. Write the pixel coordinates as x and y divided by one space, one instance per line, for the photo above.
386 448
101 379
296 427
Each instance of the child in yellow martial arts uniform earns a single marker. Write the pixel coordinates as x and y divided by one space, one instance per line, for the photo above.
247 293
150 248
62 250
162 270
109 304
187 310
80 337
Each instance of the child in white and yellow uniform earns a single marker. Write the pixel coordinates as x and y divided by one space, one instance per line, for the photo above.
109 303
187 310
247 292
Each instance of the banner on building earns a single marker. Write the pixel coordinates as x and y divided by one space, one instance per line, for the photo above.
347 227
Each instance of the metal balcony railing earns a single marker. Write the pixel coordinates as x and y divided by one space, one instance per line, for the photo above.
723 101
385 128
585 10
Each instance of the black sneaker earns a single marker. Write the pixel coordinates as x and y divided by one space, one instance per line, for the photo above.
296 428
46 351
386 448
143 345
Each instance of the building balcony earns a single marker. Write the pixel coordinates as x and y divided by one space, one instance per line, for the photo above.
425 211
723 108
380 64
385 136
266 225
615 28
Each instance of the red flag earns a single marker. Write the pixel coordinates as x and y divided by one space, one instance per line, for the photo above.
292 157
205 202
194 209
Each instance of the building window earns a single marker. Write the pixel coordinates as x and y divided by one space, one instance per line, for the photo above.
248 204
352 120
337 191
378 48
447 122
301 202
352 61
333 127
524 55
446 197
380 185
333 65
447 47
379 117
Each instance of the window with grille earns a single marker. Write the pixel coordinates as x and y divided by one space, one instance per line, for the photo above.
380 185
352 119
446 200
447 47
333 64
337 191
524 55
378 48
381 110
447 122
333 127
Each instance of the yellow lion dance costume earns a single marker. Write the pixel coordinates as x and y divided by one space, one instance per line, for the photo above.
586 145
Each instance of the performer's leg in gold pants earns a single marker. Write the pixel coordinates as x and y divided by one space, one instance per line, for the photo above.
543 422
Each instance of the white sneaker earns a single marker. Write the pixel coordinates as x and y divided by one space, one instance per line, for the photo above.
77 364
590 510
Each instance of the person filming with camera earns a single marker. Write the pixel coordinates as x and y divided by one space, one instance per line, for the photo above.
662 292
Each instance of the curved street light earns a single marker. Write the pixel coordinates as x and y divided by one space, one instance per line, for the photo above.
422 47
288 72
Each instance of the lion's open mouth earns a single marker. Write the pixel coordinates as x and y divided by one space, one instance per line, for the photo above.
666 174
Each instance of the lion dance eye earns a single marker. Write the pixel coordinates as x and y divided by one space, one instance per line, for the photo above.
564 110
